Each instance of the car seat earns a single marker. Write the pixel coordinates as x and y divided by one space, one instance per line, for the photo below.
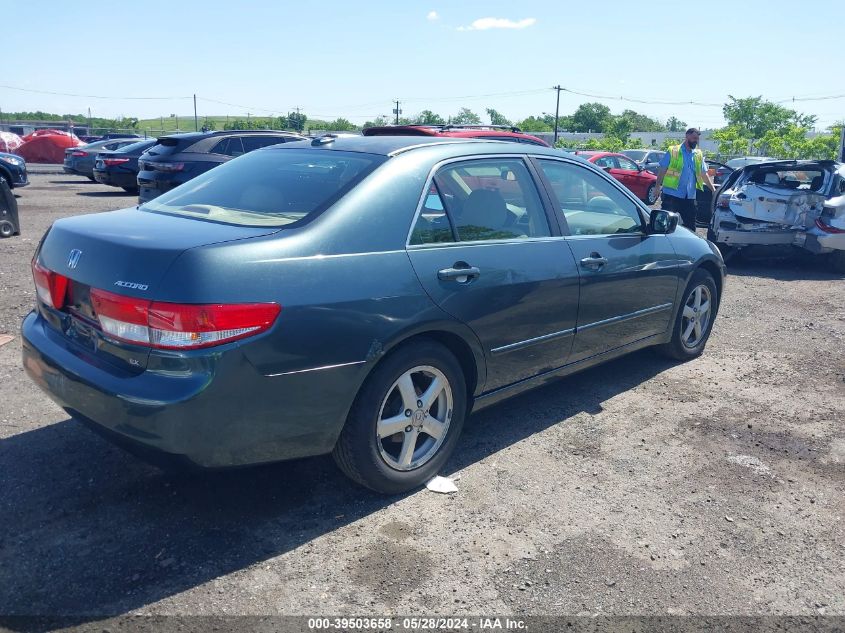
817 183
485 209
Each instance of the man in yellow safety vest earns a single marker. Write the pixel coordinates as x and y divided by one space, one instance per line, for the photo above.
682 173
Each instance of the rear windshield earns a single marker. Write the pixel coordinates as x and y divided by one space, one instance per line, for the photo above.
270 187
794 178
132 147
166 146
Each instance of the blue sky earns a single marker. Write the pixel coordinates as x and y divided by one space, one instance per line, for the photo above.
352 58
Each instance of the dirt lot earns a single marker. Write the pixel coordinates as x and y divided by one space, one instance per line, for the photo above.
642 487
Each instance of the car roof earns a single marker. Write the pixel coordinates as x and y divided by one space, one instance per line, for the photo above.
187 136
392 145
469 131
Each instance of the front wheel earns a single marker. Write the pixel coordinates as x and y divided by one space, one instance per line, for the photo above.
6 229
695 318
405 421
651 194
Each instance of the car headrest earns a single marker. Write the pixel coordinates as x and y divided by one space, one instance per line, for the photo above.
771 179
817 183
601 203
484 207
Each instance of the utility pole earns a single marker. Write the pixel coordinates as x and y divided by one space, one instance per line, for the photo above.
196 123
397 111
89 120
557 111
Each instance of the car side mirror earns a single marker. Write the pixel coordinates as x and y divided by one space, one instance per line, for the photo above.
606 168
662 222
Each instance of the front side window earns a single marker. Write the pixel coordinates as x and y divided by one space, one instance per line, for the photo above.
589 204
484 199
606 162
624 163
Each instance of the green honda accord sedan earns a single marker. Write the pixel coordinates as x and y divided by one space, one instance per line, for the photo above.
358 296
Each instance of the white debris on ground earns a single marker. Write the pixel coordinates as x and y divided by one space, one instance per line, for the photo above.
443 485
751 462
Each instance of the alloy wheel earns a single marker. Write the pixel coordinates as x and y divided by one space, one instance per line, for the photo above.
696 316
414 418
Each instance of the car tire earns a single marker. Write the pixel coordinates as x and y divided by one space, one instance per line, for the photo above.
91 178
650 198
132 190
688 340
837 261
392 463
6 229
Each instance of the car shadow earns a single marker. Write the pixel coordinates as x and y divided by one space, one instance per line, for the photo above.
795 266
82 180
120 193
90 532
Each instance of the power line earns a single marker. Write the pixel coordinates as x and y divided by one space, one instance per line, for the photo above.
67 94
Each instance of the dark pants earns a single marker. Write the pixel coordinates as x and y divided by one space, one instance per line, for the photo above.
685 207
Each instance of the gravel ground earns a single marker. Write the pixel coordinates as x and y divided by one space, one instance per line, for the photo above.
641 487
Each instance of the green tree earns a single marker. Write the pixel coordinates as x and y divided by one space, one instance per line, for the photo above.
341 125
640 122
497 118
465 116
674 124
535 124
427 117
379 121
590 117
296 121
755 117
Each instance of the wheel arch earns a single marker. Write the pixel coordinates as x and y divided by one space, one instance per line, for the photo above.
714 270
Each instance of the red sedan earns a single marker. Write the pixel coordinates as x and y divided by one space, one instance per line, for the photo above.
626 171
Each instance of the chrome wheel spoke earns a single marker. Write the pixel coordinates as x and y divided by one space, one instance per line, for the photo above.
697 330
704 308
409 444
432 393
688 332
433 427
391 426
689 313
407 390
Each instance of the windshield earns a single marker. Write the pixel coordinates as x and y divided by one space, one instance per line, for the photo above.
268 187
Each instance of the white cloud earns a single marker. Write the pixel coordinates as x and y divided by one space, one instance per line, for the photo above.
483 24
432 16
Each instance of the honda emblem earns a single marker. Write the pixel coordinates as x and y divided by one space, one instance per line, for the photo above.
73 258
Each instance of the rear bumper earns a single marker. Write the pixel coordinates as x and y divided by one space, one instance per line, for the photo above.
224 414
116 178
153 184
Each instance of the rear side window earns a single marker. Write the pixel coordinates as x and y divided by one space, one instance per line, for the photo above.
229 146
268 188
251 143
486 199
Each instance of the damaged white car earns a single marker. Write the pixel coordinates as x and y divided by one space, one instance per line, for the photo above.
795 203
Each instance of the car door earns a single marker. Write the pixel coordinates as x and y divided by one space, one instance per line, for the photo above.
483 249
628 278
630 175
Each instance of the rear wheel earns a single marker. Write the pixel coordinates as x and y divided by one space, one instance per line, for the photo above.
695 318
6 229
837 261
405 421
651 194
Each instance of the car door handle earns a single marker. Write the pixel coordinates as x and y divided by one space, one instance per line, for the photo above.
460 273
594 261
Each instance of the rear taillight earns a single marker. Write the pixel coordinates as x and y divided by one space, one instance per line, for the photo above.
79 153
50 287
111 162
827 228
164 166
179 326
722 202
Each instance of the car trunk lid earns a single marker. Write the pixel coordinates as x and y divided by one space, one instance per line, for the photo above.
123 252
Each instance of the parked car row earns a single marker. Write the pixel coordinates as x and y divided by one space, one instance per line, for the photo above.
80 160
